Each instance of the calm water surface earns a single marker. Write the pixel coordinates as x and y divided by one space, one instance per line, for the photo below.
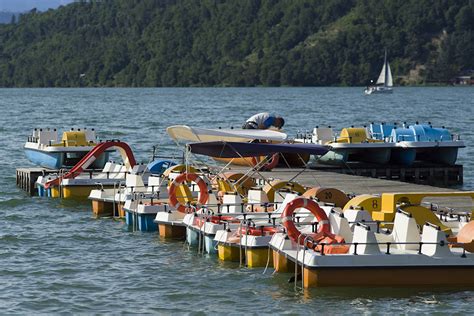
54 257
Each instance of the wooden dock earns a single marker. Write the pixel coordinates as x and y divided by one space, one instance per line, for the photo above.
357 181
26 178
420 173
353 184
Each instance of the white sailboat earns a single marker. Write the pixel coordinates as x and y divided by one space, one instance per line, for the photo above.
384 83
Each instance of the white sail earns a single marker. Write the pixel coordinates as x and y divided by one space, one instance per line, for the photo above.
381 79
389 81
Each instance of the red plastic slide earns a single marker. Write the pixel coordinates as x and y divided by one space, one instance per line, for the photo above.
87 160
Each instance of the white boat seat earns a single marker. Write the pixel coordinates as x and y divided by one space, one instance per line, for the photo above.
257 196
156 184
364 234
434 235
136 182
405 230
231 203
109 167
340 226
354 216
322 135
119 173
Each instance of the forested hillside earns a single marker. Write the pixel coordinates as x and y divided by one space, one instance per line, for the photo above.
237 43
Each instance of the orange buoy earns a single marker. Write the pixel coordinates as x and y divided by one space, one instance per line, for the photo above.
203 190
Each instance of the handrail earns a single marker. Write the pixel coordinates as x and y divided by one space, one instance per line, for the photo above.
442 243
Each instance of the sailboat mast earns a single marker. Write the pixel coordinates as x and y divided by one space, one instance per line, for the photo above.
386 69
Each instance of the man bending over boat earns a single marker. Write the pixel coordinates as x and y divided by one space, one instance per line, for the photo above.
264 120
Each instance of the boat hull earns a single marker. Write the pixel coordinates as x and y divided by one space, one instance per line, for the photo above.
389 276
447 155
43 159
378 90
57 160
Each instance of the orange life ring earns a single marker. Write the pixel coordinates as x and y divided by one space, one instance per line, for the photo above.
300 202
203 190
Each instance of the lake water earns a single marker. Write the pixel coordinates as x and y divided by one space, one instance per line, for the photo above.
54 257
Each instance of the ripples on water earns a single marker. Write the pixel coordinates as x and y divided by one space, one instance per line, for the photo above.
54 257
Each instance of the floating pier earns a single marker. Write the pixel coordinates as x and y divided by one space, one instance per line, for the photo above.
422 173
339 177
26 178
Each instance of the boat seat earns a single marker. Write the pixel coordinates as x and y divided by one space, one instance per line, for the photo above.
405 229
74 138
109 167
48 136
212 202
114 171
322 135
136 182
120 173
257 196
433 234
359 215
353 135
231 203
420 213
364 234
90 135
340 225
155 184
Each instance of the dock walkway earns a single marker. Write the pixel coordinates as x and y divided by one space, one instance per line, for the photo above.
362 185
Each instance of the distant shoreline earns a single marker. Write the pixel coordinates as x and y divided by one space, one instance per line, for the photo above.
237 87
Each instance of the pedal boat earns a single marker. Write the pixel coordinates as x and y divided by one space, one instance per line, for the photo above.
248 242
406 254
78 182
387 143
43 148
143 181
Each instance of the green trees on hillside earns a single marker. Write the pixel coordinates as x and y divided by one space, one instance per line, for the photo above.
235 42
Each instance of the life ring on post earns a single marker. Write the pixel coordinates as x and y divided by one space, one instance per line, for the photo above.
203 190
310 205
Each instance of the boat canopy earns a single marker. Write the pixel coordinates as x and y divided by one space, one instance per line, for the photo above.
197 134
222 149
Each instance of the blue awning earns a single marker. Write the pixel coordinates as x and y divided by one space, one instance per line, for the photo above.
221 149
